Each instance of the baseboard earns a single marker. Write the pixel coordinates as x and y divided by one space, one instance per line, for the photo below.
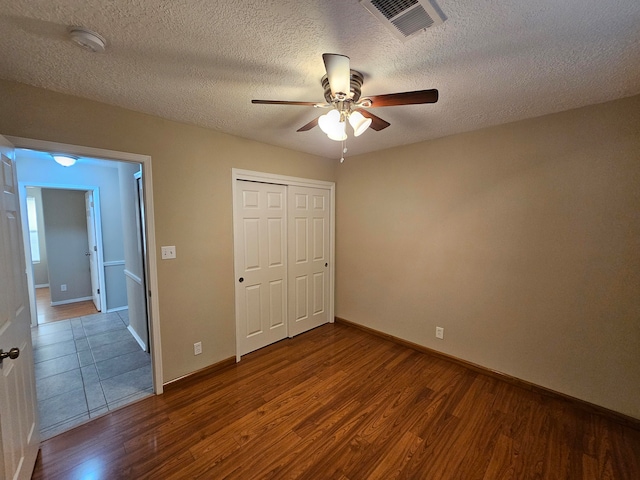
117 309
42 285
135 335
582 404
72 300
203 372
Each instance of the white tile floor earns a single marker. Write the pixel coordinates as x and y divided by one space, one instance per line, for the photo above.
85 367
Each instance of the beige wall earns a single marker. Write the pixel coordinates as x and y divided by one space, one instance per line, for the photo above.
193 204
522 241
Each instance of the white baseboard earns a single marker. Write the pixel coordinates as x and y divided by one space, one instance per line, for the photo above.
72 300
138 339
117 309
42 285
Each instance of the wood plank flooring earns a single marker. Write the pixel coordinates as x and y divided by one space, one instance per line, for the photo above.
48 313
340 403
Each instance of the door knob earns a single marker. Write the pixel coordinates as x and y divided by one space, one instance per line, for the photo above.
12 354
241 279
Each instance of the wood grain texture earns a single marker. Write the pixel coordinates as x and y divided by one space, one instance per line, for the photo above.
589 407
48 313
341 403
404 98
308 126
283 102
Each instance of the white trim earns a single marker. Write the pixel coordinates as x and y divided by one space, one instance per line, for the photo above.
133 277
42 285
113 263
46 146
118 309
71 300
252 176
249 175
134 334
152 266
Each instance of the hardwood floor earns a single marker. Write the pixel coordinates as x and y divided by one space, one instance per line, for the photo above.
48 313
339 403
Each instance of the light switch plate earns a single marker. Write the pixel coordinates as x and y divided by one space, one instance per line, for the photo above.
168 252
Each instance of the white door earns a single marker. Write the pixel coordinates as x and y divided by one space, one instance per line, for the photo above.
260 238
142 251
93 249
19 435
308 273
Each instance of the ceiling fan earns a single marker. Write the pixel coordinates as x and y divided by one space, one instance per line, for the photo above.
342 94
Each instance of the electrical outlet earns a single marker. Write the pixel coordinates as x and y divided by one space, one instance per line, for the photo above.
63 287
440 333
168 252
197 348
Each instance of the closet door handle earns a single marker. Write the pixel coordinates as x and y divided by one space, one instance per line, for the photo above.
241 279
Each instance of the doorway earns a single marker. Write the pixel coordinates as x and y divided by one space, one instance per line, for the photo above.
62 228
283 256
97 338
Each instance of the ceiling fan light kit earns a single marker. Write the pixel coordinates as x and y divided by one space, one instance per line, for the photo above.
359 123
333 124
342 89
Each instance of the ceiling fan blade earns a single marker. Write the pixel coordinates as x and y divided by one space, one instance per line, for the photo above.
377 123
404 98
309 125
284 102
338 72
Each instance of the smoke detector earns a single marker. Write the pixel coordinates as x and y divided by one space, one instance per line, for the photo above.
405 18
87 39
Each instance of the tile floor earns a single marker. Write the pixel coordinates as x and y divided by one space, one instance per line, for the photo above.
85 367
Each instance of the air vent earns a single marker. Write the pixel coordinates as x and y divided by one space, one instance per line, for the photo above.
405 18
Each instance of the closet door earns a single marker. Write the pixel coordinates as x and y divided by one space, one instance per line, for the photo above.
260 264
308 255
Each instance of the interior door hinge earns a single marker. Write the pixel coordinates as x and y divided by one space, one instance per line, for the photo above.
98 291
95 248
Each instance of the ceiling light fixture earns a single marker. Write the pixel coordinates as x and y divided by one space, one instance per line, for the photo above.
344 107
359 123
87 39
334 125
65 160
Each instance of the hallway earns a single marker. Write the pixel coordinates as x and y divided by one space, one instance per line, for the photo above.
85 367
48 313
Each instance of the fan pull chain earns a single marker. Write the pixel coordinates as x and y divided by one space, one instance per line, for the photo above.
344 150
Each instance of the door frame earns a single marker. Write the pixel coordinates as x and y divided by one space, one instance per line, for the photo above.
263 177
153 305
22 188
94 227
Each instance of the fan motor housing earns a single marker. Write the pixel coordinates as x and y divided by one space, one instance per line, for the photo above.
356 80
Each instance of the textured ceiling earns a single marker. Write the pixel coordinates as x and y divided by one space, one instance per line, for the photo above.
201 62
